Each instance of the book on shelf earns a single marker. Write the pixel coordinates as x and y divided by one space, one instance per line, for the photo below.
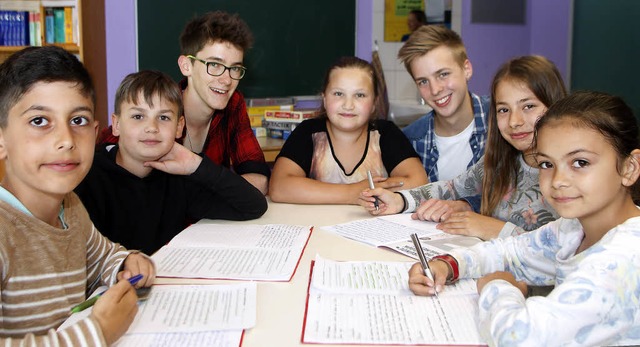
367 302
49 25
62 24
15 28
68 24
58 25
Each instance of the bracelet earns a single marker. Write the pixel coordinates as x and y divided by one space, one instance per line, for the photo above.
453 266
404 202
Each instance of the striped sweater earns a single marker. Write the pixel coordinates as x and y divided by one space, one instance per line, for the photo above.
46 271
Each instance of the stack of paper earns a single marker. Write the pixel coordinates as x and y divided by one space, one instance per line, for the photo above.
189 315
370 303
225 251
394 232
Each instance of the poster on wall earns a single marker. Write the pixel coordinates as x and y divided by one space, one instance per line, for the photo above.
395 17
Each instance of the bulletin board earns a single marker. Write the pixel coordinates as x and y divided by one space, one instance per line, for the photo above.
295 41
395 17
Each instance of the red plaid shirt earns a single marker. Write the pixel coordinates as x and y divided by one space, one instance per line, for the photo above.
230 139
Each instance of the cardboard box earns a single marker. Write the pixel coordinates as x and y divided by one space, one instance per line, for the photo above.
290 116
259 131
278 125
278 134
256 120
269 101
259 110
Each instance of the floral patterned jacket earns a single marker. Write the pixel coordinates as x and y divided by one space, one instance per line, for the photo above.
596 294
523 208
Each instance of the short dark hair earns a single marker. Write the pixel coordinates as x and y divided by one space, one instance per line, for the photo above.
421 17
216 26
31 65
149 83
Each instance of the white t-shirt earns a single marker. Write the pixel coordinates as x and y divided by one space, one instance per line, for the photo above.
455 153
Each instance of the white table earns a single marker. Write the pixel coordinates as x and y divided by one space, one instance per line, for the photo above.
281 305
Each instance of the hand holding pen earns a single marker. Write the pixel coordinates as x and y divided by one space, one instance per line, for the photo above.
376 203
423 262
115 311
91 301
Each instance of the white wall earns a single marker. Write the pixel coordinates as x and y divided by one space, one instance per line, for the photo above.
400 86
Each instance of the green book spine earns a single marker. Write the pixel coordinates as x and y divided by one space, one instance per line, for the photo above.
58 25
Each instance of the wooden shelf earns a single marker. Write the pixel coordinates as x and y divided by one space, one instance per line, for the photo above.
71 47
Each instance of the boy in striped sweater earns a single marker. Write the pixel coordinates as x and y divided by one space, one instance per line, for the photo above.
51 255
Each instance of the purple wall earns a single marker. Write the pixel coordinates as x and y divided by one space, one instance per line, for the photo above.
121 41
551 32
364 29
546 32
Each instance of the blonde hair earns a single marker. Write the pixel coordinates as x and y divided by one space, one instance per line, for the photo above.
427 38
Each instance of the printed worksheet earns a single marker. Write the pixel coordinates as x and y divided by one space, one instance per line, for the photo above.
394 232
229 338
354 303
197 308
189 315
226 251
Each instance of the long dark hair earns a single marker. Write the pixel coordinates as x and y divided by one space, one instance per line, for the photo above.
607 114
501 164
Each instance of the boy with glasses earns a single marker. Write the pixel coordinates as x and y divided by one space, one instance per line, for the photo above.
217 123
212 49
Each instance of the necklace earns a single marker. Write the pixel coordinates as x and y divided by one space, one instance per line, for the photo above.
189 139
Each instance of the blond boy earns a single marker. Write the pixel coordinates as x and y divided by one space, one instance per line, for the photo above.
451 137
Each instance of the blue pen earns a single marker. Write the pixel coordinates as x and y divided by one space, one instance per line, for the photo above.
88 303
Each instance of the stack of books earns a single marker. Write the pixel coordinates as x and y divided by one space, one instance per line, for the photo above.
61 23
277 117
17 28
34 22
256 108
280 124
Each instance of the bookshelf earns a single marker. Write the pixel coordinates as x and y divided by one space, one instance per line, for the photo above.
40 7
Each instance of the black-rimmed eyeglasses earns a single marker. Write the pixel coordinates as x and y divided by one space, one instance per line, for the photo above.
217 69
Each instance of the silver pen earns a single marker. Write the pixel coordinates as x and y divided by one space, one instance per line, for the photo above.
371 186
423 259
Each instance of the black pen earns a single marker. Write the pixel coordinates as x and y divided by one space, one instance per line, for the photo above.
371 186
423 260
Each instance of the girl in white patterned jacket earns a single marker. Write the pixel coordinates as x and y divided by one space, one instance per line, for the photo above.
587 148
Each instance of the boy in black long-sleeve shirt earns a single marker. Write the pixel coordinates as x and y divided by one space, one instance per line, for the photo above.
147 188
